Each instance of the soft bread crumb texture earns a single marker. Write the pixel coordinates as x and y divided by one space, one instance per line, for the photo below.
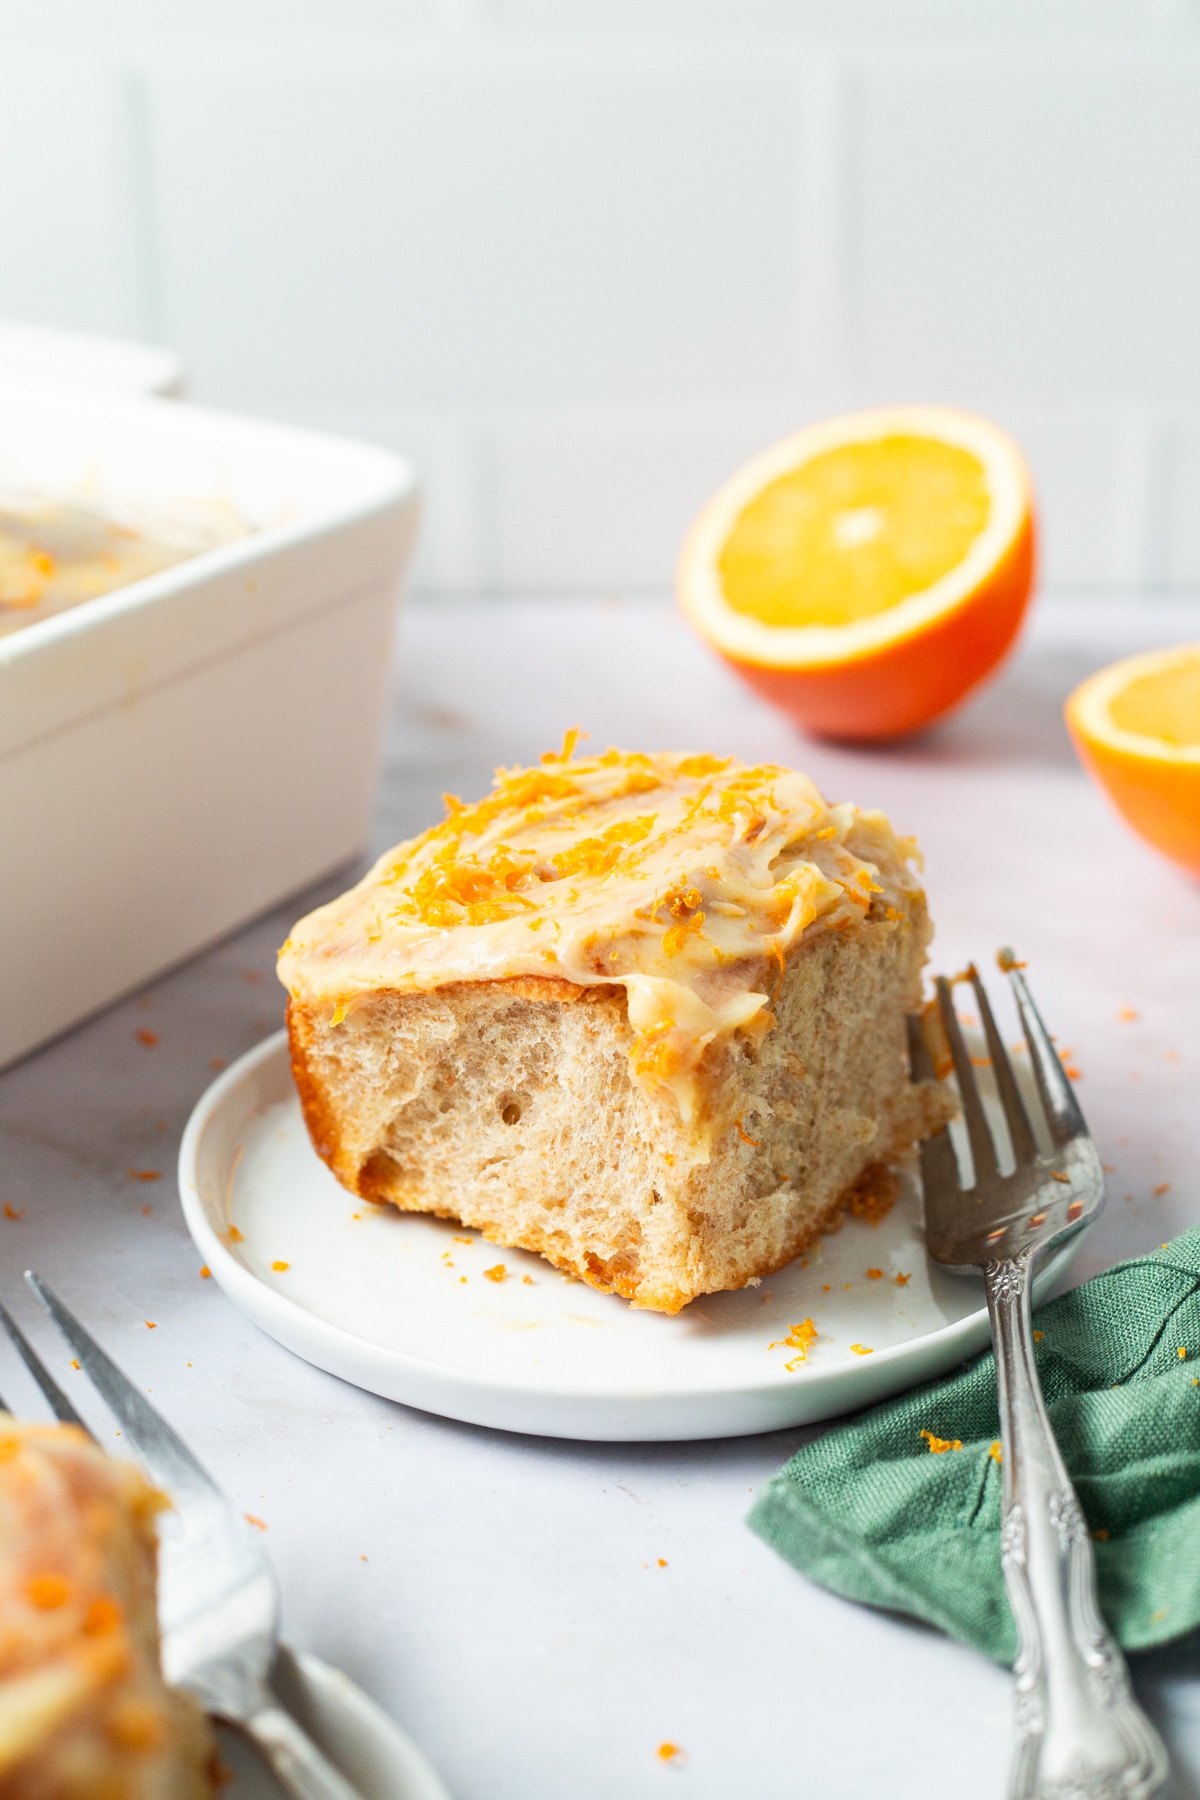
511 1104
84 1711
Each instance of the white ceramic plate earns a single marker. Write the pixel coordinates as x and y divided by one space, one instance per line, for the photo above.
368 1748
404 1305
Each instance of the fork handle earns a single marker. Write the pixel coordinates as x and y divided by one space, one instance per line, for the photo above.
1080 1734
303 1770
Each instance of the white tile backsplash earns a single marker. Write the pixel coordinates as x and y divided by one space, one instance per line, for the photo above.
500 226
580 257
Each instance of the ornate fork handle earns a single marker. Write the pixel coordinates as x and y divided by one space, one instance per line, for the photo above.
1080 1734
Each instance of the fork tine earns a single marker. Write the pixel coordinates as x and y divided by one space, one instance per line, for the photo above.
983 1150
939 1165
166 1456
60 1406
1058 1096
1020 1131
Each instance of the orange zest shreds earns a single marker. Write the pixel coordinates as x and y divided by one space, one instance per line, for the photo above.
699 766
939 1445
903 1280
150 1324
1100 1534
1038 1336
74 1363
149 1038
1127 1014
996 1451
800 1337
1181 1353
874 1194
874 1274
746 1139
862 1349
47 1592
668 1752
528 1281
570 739
234 1235
13 1212
496 1273
144 1174
662 1562
338 1014
279 1267
1058 1175
103 1616
1164 1187
601 855
889 912
1006 962
205 1272
252 1519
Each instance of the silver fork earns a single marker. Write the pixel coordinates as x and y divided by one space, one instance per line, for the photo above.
218 1597
1080 1734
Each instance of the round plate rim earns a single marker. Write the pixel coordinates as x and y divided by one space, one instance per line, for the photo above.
335 1347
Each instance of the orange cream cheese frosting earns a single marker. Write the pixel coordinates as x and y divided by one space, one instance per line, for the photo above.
684 879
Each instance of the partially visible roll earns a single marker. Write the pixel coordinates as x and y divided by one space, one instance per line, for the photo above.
84 1711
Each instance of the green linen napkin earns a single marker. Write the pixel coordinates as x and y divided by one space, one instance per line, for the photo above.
868 1511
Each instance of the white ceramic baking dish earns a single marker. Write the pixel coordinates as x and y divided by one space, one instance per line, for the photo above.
79 360
183 753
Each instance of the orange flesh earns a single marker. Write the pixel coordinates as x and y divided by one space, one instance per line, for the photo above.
854 531
1164 705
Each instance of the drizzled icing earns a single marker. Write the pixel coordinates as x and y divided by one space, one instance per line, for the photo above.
686 880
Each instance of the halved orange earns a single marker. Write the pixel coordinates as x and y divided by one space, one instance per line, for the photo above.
866 573
1136 726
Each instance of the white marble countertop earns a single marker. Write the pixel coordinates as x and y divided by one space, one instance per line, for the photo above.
502 1596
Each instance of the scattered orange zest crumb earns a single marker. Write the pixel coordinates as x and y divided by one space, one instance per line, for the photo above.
146 1211
938 1446
825 1288
528 1280
863 1349
48 1591
144 1174
149 1038
1071 1072
102 1617
1038 1336
496 1273
1181 1353
1164 1187
745 1139
74 1362
280 1267
668 1752
216 1063
874 1274
151 1325
903 1280
205 1272
258 1524
13 1212
1127 1014
1007 962
996 1451
1058 1175
463 1240
1100 1534
662 1562
235 1236
981 1062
